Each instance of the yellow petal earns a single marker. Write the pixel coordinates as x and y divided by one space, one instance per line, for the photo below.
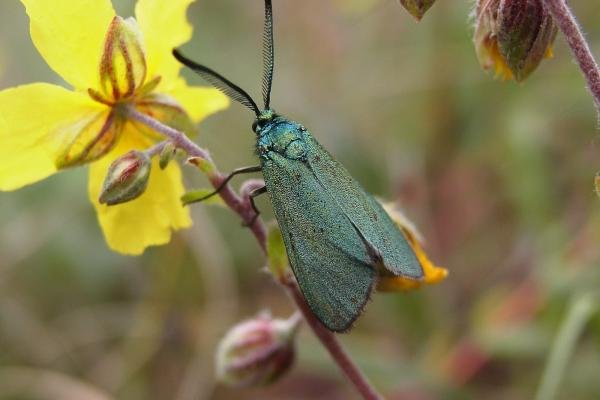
69 35
199 102
148 220
34 122
431 273
164 28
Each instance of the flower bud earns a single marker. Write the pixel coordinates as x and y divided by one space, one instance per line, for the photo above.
126 179
597 183
417 8
257 351
513 36
166 155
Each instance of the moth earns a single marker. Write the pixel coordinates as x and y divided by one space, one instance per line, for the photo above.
337 236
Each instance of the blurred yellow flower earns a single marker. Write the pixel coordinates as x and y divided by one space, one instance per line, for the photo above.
431 273
110 62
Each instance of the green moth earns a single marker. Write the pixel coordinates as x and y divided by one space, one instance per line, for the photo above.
337 236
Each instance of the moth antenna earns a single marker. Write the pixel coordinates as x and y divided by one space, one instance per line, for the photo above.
223 84
268 54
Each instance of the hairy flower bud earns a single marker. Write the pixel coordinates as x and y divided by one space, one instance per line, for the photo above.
126 179
417 8
257 351
513 36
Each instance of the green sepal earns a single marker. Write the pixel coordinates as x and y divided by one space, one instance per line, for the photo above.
206 166
166 155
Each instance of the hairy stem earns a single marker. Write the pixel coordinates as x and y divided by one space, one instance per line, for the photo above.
244 210
567 23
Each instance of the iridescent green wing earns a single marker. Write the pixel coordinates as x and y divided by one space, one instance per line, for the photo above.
365 213
328 257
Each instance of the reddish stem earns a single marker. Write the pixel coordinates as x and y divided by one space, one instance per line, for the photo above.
333 346
567 23
180 140
244 210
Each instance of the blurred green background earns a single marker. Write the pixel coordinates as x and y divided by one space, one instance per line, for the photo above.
498 177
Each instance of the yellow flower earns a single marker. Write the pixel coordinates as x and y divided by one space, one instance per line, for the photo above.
109 62
432 273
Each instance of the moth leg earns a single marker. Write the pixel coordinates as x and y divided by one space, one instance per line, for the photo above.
238 171
253 194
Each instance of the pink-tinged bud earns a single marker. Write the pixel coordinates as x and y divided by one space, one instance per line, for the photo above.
123 62
513 36
417 8
127 178
597 183
257 351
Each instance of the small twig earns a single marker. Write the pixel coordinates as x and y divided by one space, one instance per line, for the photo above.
567 23
244 210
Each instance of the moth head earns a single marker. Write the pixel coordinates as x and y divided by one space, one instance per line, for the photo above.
262 120
235 92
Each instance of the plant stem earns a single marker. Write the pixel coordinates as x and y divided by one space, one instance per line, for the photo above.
156 149
244 210
333 346
567 23
233 201
580 311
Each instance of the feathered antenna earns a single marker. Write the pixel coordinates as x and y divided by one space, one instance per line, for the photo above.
268 55
220 82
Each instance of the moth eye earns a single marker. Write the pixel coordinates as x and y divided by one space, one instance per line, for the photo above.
255 126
